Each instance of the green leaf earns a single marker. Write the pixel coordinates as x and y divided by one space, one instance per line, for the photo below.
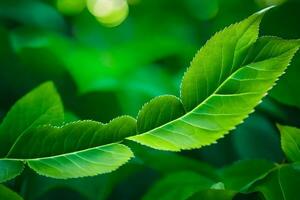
9 169
91 162
217 60
281 184
179 185
290 142
228 77
159 111
77 149
243 174
213 194
257 138
8 194
81 148
41 106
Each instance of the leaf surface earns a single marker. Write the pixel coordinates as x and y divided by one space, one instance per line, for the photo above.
242 175
290 142
281 184
40 106
6 193
82 148
10 169
179 185
228 77
77 149
159 111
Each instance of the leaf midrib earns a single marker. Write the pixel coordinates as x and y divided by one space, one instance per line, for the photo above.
211 95
65 154
203 102
214 92
295 143
280 185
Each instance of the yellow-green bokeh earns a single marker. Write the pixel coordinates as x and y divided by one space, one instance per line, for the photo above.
108 12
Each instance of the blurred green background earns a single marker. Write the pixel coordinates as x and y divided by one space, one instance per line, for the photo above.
108 57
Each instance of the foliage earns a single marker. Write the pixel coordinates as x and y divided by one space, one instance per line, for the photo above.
69 137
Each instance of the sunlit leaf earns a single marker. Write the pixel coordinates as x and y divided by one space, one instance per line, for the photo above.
41 106
77 149
24 116
159 111
228 77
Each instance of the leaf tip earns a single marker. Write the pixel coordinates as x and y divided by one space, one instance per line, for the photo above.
263 11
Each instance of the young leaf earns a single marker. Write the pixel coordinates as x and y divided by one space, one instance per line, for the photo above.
6 193
10 169
228 77
179 185
159 111
41 106
290 142
243 174
82 148
77 149
282 183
